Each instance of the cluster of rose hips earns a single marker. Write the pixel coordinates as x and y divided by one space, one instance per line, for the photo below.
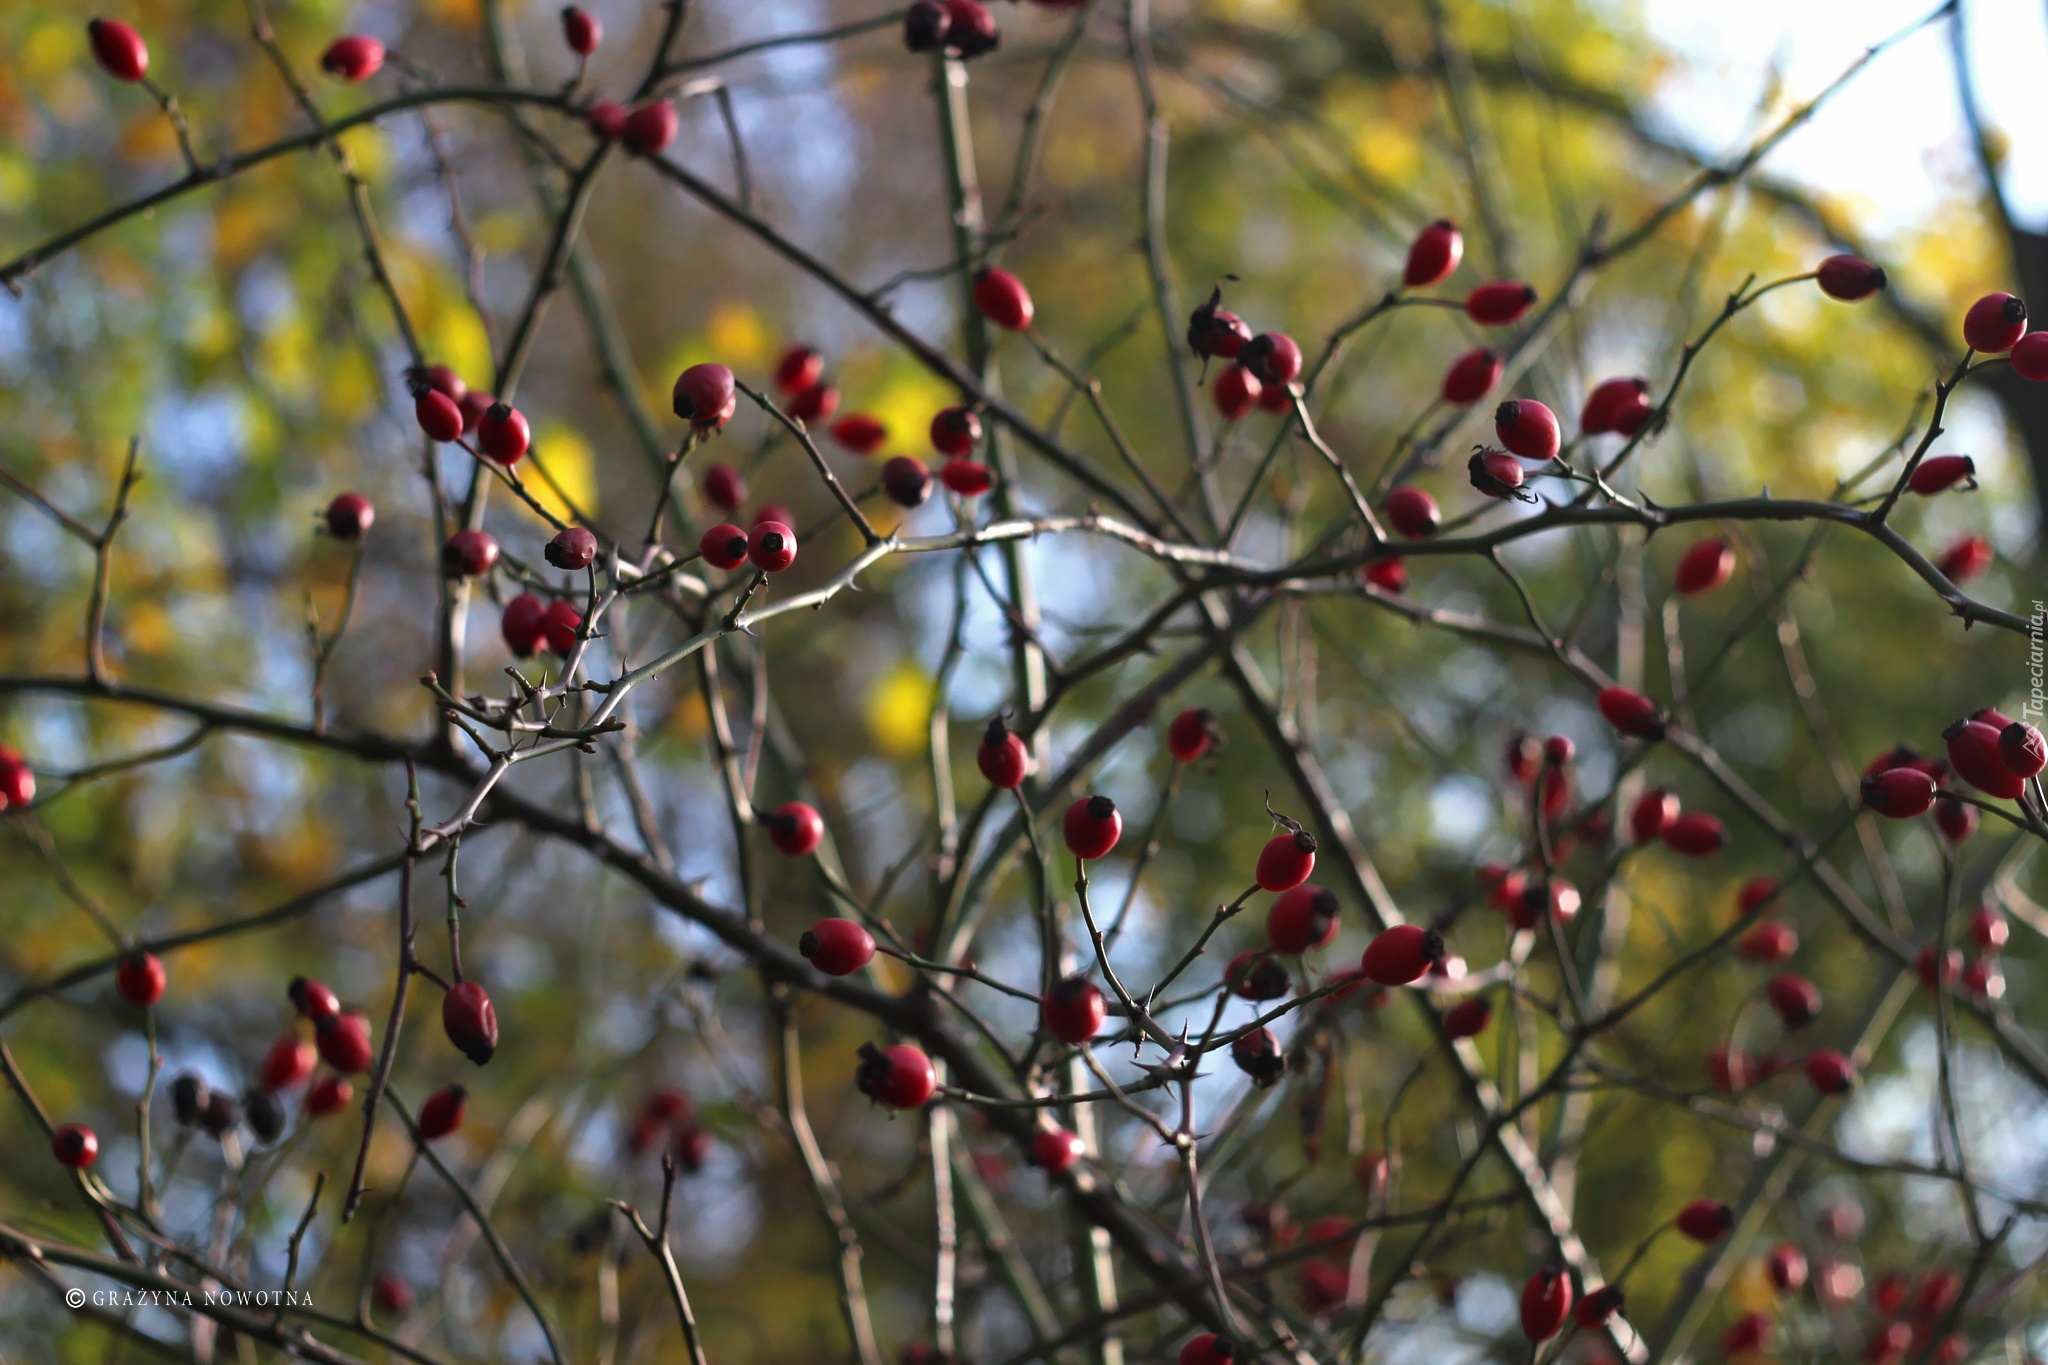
668 1113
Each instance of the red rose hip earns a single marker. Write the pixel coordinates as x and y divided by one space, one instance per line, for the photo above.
1003 299
471 1021
1002 757
1302 919
1849 278
772 547
837 947
1074 1010
1994 323
1433 255
1401 954
900 1077
119 49
1527 428
140 979
795 828
1286 861
1091 826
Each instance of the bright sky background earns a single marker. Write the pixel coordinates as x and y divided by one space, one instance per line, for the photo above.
1893 141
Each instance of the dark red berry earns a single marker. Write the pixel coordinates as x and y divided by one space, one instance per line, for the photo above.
816 403
354 58
140 979
1966 559
1598 1306
1794 999
837 947
311 998
1746 1336
17 780
968 478
1989 929
772 547
350 514
900 1077
1849 278
438 415
391 1294
798 369
1696 836
1302 920
924 26
1286 861
2030 356
1994 323
1433 255
1056 1150
860 432
471 1021
524 625
1412 512
1401 954
607 119
1558 749
1214 332
1830 1072
1787 1267
574 548
1002 757
1705 566
1192 734
75 1145
970 29
344 1041
1632 713
1388 575
1258 1055
1092 826
1651 813
1901 793
1974 752
1527 428
1254 975
2022 749
1003 299
1499 303
705 395
692 1148
1472 376
1545 1303
955 431
1273 357
581 31
1611 399
907 482
503 435
1468 1018
1235 392
1957 820
1208 1349
795 828
1497 474
1706 1220
1074 1010
650 128
119 49
1769 942
329 1095
441 1112
289 1061
1940 473
723 546
469 553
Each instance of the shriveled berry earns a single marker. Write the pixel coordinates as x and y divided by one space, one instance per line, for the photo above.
1003 758
1273 357
573 548
795 828
771 547
441 1112
471 1021
1499 303
1433 255
1091 827
1302 920
907 482
469 553
353 59
1401 954
1412 512
723 546
837 947
650 128
705 396
1994 323
1003 299
901 1077
349 516
1849 278
1192 733
119 49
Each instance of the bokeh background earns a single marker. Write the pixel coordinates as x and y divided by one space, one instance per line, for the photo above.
235 333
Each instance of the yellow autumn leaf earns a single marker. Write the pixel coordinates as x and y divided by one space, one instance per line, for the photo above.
563 464
900 709
738 337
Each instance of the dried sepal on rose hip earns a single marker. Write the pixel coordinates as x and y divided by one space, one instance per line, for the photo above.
1258 1055
1215 333
1497 474
900 1077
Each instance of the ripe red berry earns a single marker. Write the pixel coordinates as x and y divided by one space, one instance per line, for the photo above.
705 395
1632 713
1527 428
1002 757
772 546
900 1077
311 998
119 49
1696 836
650 128
837 947
1651 814
1965 559
469 553
692 1148
924 26
503 435
1468 1018
815 403
1056 1150
955 431
471 1021
349 516
524 625
1208 1349
795 828
17 781
289 1061
353 59
1401 954
968 478
723 487
1236 392
970 29
1472 376
1598 1306
1706 1220
1558 749
2030 356
723 546
1074 1010
1941 473
1900 793
562 626
1610 399
1546 1301
140 979
438 415
1974 752
1302 920
607 119
798 369
1092 826
1286 861
1705 566
1256 975
1192 734
1756 894
329 1095
1497 474
75 1145
1500 303
441 1112
2022 749
474 405
573 548
860 433
1412 512
1989 929
1794 999
444 379
1994 323
1849 278
1787 1267
1214 332
1829 1072
1433 255
907 482
1388 575
344 1041
1003 299
391 1294
1747 1335
1273 357
1769 942
581 30
1257 1054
